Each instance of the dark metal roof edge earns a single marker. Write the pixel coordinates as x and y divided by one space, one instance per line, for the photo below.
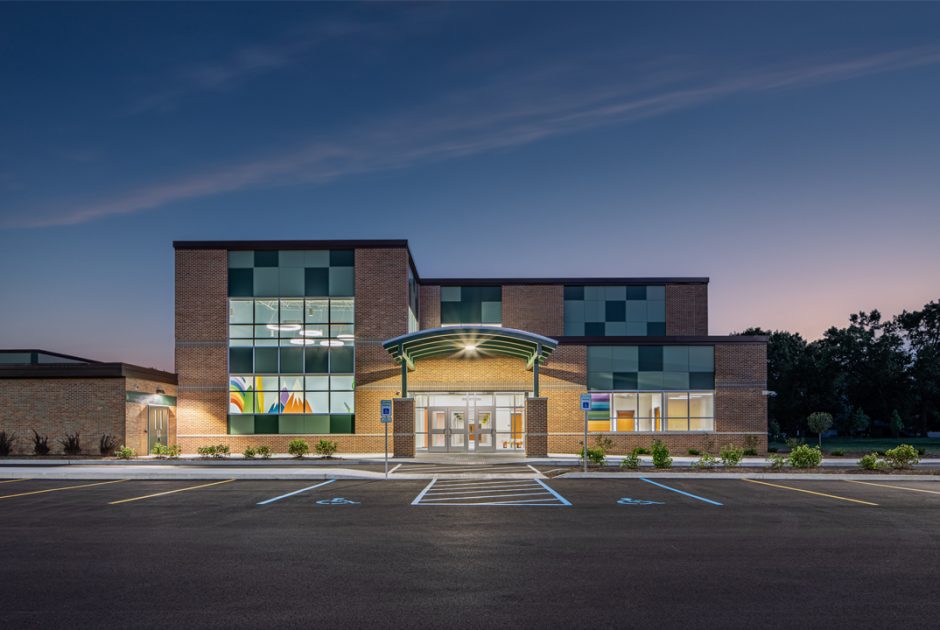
660 341
87 370
49 352
268 245
578 281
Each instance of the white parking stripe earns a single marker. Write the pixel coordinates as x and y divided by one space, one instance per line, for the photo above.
526 492
295 492
487 496
423 492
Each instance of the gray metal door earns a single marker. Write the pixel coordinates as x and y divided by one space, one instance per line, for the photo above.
158 426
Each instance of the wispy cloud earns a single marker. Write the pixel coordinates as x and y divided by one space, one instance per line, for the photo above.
502 115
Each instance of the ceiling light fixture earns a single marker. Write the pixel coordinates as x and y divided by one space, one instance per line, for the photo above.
302 342
333 343
284 327
311 332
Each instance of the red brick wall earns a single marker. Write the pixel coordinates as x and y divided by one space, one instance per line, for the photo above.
403 412
686 309
535 308
536 427
740 405
201 343
429 303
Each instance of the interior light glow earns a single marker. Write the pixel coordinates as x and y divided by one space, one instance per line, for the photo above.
311 332
302 342
332 343
470 347
344 336
284 327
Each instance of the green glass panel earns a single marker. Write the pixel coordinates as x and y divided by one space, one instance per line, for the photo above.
636 293
291 423
701 380
241 424
266 360
316 360
292 360
266 425
244 259
600 380
342 258
239 360
342 359
341 423
675 358
267 282
317 424
342 281
657 329
291 281
317 282
241 282
574 293
291 258
266 258
702 359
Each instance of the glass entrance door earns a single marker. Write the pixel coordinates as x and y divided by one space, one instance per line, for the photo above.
448 429
482 430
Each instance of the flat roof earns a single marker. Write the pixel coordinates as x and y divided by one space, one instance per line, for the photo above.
75 367
403 243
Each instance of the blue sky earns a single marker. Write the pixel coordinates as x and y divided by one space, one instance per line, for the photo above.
789 151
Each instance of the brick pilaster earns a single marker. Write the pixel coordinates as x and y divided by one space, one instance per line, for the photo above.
536 427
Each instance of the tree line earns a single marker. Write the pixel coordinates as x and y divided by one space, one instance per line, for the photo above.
876 376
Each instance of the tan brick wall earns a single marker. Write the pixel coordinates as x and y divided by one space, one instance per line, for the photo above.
429 303
346 443
201 342
535 308
686 309
54 407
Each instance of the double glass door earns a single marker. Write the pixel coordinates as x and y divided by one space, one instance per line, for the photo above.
461 429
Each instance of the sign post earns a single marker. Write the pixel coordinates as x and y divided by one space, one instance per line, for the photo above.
386 417
585 407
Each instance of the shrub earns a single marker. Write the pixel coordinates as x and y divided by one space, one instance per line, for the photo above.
837 453
326 448
264 452
731 455
221 450
159 450
125 452
604 443
249 452
804 456
6 443
107 444
792 443
707 461
166 452
819 422
871 461
173 451
750 452
40 443
71 445
777 462
661 457
639 450
298 448
902 456
630 462
694 452
206 451
596 455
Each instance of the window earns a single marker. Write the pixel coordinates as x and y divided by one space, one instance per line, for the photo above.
291 273
291 364
471 305
644 412
606 311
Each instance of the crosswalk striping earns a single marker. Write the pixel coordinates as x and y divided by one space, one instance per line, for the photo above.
522 492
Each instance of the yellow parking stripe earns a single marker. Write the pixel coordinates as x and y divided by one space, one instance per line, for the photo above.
884 485
12 480
160 494
821 494
84 485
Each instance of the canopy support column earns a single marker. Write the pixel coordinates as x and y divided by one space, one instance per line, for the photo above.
404 372
535 371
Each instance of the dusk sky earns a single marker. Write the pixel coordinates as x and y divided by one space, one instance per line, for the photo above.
789 151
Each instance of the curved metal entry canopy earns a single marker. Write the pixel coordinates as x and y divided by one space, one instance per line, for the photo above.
470 342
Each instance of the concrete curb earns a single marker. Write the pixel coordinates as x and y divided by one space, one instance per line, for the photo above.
742 475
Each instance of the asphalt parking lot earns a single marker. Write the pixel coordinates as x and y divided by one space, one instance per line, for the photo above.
694 553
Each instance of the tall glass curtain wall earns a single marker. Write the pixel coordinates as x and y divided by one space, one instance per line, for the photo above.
609 311
291 342
651 388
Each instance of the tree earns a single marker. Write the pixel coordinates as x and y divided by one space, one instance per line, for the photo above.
897 424
860 422
819 422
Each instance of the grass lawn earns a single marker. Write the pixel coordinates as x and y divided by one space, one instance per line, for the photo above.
857 446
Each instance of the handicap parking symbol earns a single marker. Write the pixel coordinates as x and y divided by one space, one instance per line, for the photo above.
629 501
337 501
